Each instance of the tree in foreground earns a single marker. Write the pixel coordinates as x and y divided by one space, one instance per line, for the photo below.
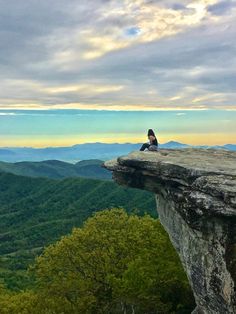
115 263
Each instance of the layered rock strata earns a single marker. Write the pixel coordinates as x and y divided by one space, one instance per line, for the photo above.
196 202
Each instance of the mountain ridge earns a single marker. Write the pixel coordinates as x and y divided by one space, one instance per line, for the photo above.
78 152
57 169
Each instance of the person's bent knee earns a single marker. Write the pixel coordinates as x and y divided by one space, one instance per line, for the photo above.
144 146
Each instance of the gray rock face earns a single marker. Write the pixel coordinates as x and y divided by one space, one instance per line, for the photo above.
196 202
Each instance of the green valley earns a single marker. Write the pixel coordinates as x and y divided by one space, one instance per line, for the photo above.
35 212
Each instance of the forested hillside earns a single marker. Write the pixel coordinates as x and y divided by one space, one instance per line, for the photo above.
115 264
35 212
58 169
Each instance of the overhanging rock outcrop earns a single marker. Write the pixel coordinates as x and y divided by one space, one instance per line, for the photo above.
196 196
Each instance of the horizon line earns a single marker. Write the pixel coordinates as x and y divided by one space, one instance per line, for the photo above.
115 143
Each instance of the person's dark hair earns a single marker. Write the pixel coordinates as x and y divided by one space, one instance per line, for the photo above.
151 132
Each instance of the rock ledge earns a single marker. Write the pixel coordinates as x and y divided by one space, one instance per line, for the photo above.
196 202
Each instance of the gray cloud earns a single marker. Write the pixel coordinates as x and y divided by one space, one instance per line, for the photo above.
222 7
42 45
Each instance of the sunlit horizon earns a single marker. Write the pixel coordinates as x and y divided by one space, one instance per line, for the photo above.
62 142
61 128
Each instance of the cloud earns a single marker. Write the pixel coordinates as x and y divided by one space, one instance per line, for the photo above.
85 88
222 7
180 114
148 21
7 113
117 54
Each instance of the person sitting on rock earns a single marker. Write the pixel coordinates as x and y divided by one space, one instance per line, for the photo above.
152 145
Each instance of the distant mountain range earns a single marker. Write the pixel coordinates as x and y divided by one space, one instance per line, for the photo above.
56 169
87 151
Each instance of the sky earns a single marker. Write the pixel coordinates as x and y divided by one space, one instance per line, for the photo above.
115 69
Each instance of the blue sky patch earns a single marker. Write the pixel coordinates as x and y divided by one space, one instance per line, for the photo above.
132 31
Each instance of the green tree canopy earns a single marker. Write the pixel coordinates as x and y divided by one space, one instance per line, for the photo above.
115 263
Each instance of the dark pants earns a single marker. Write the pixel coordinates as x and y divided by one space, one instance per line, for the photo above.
144 146
152 148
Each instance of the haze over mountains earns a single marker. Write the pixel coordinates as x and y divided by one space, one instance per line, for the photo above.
86 151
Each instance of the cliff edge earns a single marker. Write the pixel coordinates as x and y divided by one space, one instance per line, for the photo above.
196 202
